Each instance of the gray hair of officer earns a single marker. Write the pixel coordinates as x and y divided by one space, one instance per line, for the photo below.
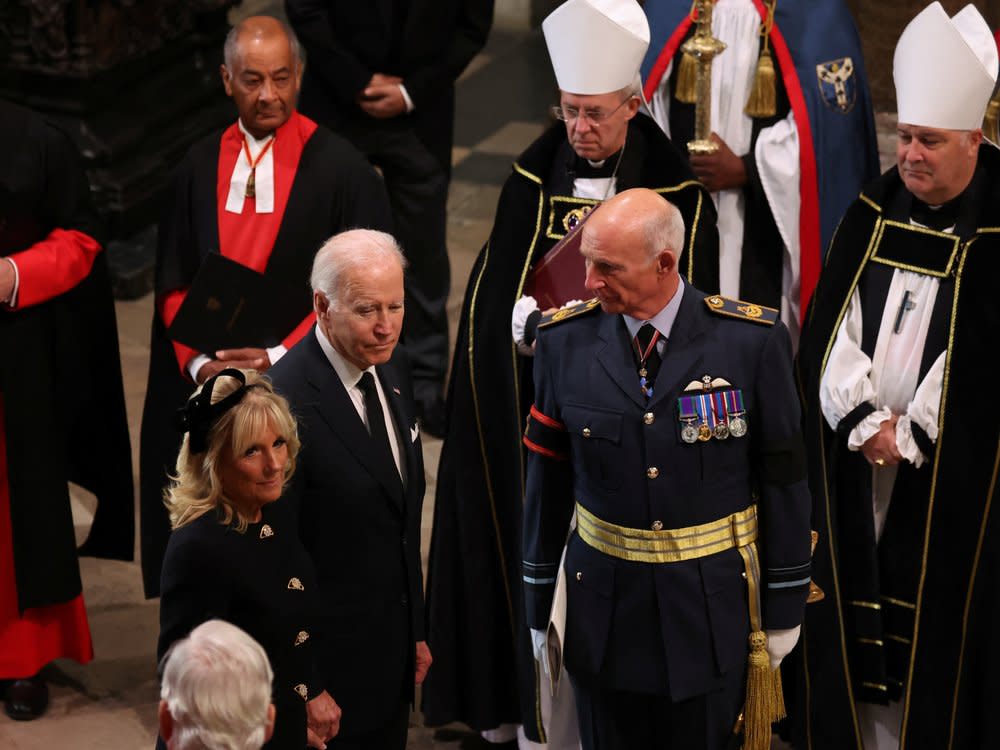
216 691
346 251
665 231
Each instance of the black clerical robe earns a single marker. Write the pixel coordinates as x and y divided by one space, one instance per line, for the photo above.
62 409
913 617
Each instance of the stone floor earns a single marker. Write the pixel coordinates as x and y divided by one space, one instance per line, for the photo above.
111 702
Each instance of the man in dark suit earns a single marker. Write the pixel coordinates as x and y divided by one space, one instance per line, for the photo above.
382 74
667 424
359 487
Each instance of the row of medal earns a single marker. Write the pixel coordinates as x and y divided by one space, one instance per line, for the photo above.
718 414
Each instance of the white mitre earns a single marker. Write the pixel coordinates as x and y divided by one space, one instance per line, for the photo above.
596 46
945 69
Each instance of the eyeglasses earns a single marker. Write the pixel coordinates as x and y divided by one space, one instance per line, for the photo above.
594 115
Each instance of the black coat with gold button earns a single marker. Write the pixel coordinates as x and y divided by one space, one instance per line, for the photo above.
262 581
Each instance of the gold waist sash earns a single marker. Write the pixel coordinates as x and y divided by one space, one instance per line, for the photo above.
667 545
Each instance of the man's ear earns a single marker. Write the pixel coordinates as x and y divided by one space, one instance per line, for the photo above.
166 721
269 729
227 81
320 303
632 107
666 261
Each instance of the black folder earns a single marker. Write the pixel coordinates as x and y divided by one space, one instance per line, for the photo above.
230 306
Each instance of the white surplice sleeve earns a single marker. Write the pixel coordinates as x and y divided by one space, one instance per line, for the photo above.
846 381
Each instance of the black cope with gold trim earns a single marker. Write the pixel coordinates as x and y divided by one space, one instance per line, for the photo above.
913 617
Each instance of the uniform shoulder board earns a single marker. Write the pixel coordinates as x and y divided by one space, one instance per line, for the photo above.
734 308
569 312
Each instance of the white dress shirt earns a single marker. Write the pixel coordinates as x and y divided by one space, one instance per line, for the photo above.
349 375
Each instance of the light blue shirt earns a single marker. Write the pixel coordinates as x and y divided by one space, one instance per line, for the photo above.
663 321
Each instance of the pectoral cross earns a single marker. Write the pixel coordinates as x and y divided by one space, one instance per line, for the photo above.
904 307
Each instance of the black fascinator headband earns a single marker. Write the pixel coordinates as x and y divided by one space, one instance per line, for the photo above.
199 414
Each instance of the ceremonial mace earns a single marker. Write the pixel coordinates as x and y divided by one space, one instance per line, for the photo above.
702 48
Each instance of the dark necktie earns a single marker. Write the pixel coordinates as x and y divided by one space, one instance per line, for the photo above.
376 424
647 358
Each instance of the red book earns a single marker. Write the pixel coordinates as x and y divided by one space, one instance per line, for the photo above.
559 276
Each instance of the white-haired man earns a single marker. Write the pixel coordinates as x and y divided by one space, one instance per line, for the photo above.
359 487
265 192
903 454
216 691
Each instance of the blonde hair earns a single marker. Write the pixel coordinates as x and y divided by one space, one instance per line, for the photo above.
196 487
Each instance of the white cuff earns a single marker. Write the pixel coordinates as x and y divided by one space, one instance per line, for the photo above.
780 643
196 364
12 300
519 316
867 427
410 106
905 443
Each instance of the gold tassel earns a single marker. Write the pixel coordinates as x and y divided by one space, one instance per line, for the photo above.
991 123
762 99
687 79
777 696
760 708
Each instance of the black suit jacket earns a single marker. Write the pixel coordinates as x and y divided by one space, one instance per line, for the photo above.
426 42
363 534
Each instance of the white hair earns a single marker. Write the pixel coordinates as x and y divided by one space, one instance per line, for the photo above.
217 687
344 252
665 231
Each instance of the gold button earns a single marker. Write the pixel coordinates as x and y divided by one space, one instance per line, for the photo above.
296 585
657 525
301 638
648 417
579 575
652 472
586 432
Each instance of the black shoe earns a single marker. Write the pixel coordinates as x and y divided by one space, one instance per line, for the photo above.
433 417
26 699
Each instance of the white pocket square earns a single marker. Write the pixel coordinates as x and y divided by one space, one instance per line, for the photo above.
414 433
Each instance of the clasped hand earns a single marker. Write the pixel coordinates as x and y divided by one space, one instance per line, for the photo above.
382 98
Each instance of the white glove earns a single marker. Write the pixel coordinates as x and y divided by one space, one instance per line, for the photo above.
540 649
780 643
522 309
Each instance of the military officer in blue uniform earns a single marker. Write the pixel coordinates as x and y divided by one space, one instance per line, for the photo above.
666 427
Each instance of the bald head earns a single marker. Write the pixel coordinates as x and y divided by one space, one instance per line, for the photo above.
262 73
256 30
631 246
